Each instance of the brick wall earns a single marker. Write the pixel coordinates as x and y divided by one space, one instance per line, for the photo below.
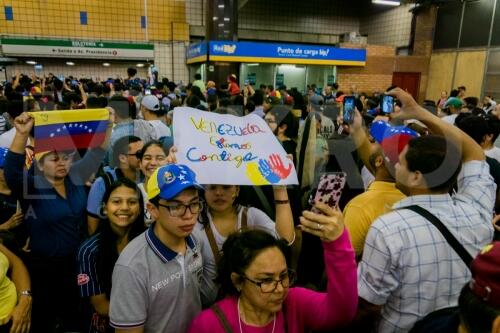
376 76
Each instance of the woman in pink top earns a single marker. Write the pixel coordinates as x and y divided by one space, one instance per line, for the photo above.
253 273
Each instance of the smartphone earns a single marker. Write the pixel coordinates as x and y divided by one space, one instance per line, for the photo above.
349 105
147 91
247 82
387 104
329 190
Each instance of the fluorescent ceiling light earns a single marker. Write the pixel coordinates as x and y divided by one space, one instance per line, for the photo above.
31 62
220 6
140 65
106 64
215 18
386 2
70 63
252 64
226 19
287 66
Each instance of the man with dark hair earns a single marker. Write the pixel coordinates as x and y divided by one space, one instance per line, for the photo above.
131 72
199 83
461 92
126 157
157 279
408 267
125 111
258 100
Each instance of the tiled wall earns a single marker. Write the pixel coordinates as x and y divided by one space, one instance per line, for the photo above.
104 20
391 27
321 16
175 70
195 12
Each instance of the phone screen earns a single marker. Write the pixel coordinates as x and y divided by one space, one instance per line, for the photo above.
246 82
349 105
330 189
387 104
147 92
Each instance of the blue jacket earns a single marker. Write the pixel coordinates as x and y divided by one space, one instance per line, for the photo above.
55 224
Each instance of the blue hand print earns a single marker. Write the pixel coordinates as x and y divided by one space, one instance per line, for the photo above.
267 172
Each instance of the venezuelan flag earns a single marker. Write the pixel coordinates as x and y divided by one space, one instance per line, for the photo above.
69 129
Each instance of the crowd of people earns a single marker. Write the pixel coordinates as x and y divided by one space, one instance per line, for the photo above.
122 238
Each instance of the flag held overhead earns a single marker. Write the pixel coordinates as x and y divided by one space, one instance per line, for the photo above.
69 129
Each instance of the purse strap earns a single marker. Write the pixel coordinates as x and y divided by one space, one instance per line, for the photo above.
211 237
222 318
452 241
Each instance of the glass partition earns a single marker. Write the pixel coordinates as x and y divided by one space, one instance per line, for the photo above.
256 74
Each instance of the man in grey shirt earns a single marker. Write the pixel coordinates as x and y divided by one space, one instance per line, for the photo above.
157 278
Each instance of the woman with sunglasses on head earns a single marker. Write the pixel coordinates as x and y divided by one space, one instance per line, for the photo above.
123 207
153 156
255 278
53 200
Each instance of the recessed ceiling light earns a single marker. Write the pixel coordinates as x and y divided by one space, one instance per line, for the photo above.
387 2
70 63
106 64
31 62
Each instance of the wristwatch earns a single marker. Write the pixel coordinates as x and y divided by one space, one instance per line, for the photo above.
25 293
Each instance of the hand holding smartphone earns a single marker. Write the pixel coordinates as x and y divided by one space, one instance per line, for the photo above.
387 104
329 190
349 106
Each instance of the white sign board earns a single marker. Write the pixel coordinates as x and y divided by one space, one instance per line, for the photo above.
76 49
226 149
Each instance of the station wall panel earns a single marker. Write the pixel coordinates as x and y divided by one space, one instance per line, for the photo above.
106 20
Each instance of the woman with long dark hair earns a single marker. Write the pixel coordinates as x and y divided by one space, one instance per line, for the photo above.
255 278
124 208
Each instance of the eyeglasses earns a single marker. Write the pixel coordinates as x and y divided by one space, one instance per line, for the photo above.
137 154
180 209
269 285
270 121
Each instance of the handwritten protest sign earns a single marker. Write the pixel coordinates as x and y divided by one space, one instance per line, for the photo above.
225 149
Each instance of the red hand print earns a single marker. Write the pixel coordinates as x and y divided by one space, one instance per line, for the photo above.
277 166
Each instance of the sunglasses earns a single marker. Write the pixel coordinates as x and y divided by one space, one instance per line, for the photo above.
137 154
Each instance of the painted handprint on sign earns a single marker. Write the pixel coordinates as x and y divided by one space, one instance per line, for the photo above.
266 171
278 168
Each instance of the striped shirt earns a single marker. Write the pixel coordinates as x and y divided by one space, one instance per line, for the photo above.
88 279
3 124
408 267
89 283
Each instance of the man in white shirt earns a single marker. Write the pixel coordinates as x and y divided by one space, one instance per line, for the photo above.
150 109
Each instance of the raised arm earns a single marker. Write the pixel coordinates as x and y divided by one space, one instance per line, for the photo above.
471 151
15 159
324 311
284 216
363 144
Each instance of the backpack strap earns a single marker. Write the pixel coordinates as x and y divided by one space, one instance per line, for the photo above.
222 318
452 241
244 218
212 242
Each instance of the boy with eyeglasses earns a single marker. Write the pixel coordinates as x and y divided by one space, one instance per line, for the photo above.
157 278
